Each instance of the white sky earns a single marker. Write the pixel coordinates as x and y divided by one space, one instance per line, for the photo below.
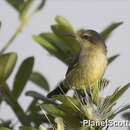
82 14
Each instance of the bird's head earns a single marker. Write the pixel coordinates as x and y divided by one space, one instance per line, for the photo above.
90 38
90 35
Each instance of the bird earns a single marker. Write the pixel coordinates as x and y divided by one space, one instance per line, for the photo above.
88 65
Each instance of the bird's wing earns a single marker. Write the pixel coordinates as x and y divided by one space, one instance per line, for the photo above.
73 64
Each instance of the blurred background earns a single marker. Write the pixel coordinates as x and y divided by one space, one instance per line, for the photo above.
94 14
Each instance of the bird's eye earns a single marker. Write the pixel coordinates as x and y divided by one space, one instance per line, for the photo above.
85 36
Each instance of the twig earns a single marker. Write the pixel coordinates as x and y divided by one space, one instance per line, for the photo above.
17 32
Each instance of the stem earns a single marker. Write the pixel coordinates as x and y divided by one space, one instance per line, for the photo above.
14 105
32 104
23 21
17 32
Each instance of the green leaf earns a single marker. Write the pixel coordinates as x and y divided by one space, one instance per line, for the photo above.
68 108
55 46
45 44
63 29
36 95
26 128
22 76
64 50
39 80
32 107
118 93
55 41
6 123
16 3
40 6
53 110
95 93
60 43
70 120
48 46
35 115
23 6
20 5
122 110
0 25
69 104
38 118
112 58
12 102
107 31
110 101
64 35
3 128
61 21
39 96
7 63
126 115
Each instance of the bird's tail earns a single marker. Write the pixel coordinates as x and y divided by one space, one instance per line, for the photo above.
60 90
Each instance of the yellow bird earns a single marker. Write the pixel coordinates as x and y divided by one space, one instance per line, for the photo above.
88 66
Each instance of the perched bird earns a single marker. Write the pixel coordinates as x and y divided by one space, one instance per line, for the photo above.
88 65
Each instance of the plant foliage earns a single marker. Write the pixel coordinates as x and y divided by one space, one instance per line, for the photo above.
62 112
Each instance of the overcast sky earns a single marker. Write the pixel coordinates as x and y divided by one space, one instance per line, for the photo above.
82 14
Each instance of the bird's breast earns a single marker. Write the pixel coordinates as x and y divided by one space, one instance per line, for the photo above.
89 69
93 64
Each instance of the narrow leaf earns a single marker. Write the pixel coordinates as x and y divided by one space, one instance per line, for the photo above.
63 29
22 76
64 34
107 31
63 49
53 110
119 93
16 3
57 42
23 6
49 47
69 104
0 25
38 118
71 121
7 63
20 5
61 21
112 58
36 95
6 123
32 107
11 101
3 128
126 115
39 96
39 80
26 128
122 110
111 100
45 44
41 5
